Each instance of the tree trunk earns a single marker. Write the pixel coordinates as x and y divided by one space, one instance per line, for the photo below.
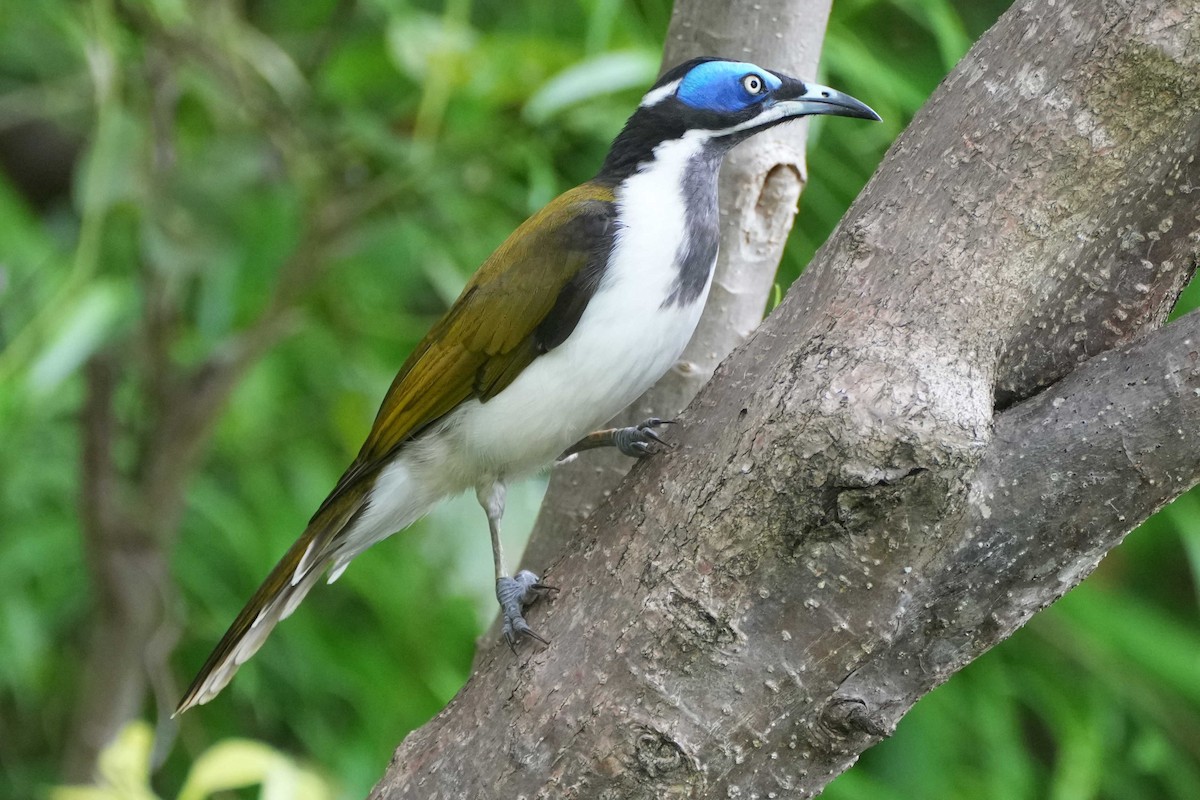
960 406
760 185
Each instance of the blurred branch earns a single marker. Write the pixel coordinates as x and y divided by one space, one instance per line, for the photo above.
99 492
129 579
131 519
331 33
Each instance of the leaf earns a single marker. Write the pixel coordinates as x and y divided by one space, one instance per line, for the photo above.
124 769
236 763
125 764
593 77
944 24
25 243
230 764
83 330
109 171
421 43
271 62
172 14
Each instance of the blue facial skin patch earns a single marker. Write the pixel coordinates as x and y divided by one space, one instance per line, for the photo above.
717 86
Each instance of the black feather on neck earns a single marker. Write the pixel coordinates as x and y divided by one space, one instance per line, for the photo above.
645 130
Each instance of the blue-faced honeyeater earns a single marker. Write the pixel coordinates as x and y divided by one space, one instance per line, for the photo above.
585 306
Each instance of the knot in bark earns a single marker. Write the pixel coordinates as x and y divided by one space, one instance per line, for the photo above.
657 753
847 722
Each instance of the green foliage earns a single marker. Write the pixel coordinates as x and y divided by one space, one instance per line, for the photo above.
213 139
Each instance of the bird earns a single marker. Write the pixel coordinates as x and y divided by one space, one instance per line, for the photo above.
584 307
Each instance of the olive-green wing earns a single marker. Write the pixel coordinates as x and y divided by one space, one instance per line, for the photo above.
523 301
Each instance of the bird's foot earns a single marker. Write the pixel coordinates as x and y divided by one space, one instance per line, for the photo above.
515 595
642 440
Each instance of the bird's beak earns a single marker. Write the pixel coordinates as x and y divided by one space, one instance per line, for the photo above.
797 99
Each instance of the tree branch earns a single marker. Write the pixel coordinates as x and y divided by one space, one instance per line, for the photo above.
739 616
1115 440
129 577
1068 475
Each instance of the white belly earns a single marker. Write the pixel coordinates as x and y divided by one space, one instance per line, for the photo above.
619 350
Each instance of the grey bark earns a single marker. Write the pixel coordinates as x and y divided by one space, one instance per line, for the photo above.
850 517
759 187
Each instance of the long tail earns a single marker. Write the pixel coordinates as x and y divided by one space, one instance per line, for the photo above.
291 579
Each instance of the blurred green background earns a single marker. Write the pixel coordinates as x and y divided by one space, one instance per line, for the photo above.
175 173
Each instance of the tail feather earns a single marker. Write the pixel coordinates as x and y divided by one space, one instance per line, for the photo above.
275 600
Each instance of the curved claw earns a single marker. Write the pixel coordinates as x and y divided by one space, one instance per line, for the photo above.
639 440
652 434
517 627
514 594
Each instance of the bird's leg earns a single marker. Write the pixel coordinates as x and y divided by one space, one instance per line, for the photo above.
491 497
513 593
639 440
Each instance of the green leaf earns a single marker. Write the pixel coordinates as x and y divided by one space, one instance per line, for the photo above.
591 78
82 330
943 22
236 763
271 62
109 171
229 765
421 43
124 769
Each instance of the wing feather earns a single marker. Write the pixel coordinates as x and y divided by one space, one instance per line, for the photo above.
523 301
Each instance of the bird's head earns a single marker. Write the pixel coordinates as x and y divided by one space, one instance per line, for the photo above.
718 103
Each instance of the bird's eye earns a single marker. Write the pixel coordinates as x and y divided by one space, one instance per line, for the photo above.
752 84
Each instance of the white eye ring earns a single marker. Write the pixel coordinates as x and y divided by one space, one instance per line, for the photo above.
753 84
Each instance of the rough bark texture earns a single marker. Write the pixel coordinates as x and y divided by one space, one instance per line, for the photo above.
759 187
849 519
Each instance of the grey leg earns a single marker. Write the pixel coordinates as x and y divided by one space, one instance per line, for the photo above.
492 496
513 593
638 441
